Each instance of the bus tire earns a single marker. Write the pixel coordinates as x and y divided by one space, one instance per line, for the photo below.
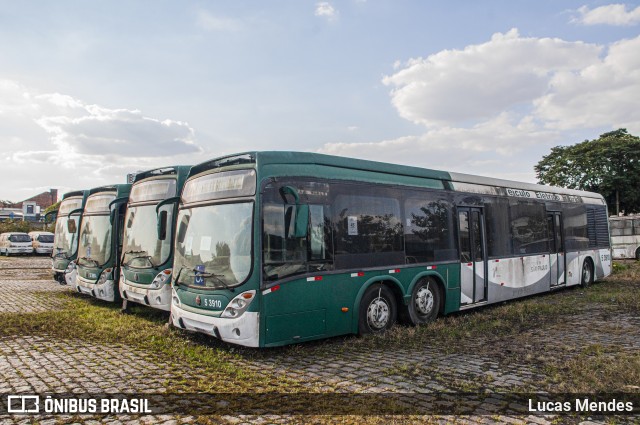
587 273
378 310
424 305
638 253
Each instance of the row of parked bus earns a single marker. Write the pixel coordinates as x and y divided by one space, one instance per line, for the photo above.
13 243
273 248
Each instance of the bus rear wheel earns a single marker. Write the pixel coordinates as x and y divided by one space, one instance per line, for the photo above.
425 302
638 254
378 310
587 273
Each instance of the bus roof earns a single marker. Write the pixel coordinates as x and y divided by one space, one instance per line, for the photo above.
83 193
490 181
261 158
180 171
120 189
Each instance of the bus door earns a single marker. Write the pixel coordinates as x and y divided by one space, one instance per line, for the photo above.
556 248
473 257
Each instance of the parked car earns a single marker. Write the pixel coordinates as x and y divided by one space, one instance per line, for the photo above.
42 242
15 243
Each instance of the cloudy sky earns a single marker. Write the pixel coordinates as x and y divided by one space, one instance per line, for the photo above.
90 91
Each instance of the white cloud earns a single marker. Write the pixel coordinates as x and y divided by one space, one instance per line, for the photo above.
605 93
476 83
495 108
64 141
612 14
326 10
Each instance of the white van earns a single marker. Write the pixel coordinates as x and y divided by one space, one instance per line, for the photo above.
15 243
42 242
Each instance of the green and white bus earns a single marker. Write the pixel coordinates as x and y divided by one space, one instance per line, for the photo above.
147 252
65 244
274 248
100 241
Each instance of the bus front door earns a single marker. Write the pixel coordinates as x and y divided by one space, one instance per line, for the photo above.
556 249
473 259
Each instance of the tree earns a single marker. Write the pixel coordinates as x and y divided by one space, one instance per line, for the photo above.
609 165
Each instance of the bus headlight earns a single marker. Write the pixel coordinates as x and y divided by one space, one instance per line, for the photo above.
239 304
175 298
105 275
162 278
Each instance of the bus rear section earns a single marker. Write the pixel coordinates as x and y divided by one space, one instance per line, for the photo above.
100 242
625 236
65 240
149 227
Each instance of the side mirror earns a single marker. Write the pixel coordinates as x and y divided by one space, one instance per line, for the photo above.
161 225
50 217
302 221
71 226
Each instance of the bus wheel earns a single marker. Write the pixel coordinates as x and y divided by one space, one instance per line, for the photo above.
638 254
378 310
425 302
587 273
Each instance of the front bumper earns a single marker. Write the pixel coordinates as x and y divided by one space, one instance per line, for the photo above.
243 330
44 250
104 291
156 298
20 250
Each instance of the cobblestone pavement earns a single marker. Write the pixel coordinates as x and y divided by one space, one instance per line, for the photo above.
31 364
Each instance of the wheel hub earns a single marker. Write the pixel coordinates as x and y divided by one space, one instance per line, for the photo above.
378 313
424 300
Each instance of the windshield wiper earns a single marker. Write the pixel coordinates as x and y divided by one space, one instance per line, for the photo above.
61 253
147 257
207 275
176 281
90 259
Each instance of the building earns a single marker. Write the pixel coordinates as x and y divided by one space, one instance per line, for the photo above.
29 209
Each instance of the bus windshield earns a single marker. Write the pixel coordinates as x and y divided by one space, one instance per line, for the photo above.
213 245
142 248
66 243
95 240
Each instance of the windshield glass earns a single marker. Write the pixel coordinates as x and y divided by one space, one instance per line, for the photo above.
95 240
19 238
213 245
45 238
66 243
142 249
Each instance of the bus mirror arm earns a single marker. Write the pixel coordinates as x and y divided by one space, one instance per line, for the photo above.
166 201
48 216
116 203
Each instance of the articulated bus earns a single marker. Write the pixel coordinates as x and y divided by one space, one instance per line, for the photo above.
625 236
65 245
100 241
274 248
147 258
